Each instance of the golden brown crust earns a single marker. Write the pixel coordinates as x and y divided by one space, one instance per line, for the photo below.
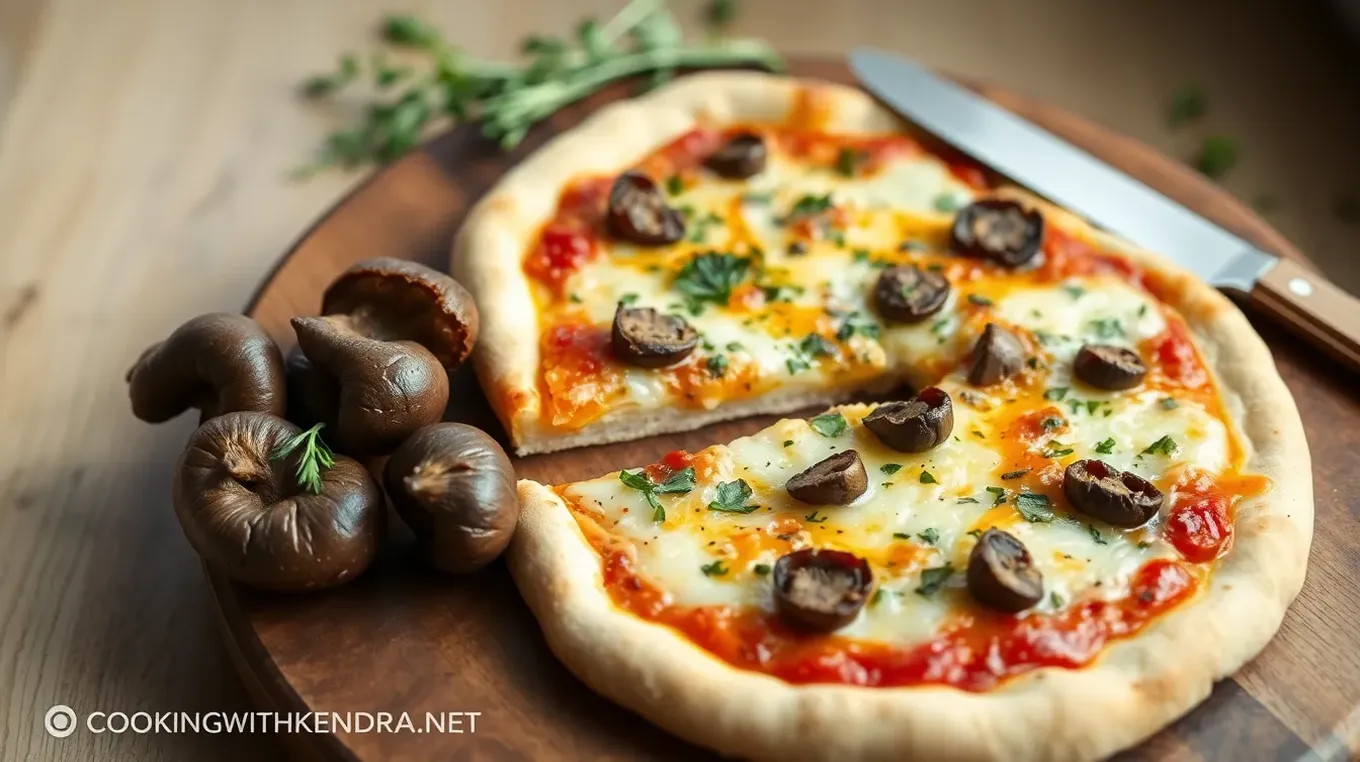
1138 686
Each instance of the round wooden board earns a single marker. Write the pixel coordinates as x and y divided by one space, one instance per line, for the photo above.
402 639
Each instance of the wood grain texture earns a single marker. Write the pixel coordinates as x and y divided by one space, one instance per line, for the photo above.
405 639
144 153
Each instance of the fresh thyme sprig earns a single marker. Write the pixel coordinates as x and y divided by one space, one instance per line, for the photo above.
316 457
510 98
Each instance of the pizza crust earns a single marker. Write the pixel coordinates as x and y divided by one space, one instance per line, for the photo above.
1137 686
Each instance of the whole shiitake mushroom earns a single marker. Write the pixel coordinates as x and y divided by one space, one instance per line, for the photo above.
219 363
249 511
455 487
386 389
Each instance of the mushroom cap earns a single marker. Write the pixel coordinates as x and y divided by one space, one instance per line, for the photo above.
455 487
219 363
396 299
245 513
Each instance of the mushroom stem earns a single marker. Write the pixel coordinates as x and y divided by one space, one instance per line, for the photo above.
429 481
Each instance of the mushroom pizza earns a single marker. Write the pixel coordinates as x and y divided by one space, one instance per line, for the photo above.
1091 502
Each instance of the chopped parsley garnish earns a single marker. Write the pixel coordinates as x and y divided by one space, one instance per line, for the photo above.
1106 446
735 346
966 500
1056 393
1056 600
1217 155
1000 493
680 482
856 323
901 536
629 298
1168 404
1164 446
796 365
1046 338
939 325
710 277
717 365
1074 291
1057 450
933 579
788 443
974 532
761 569
878 596
979 300
927 478
978 434
809 206
574 297
813 518
848 160
715 569
816 345
1095 535
947 202
829 424
1107 328
1091 406
1188 103
1143 545
1034 507
1052 422
732 496
930 536
1015 474
674 185
699 227
1142 310
890 468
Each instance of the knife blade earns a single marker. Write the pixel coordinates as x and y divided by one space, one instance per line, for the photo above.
1074 179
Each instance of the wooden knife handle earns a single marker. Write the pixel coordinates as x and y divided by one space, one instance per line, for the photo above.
1313 307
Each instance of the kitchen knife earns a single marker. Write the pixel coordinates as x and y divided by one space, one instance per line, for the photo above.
1070 177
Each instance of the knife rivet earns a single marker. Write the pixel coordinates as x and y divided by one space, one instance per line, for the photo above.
1300 287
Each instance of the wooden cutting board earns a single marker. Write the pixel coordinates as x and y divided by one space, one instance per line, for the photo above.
404 639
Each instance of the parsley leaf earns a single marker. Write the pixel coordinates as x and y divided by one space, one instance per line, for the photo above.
710 277
901 536
933 579
947 202
848 161
316 456
731 498
1164 446
1074 291
829 424
928 478
1168 404
788 442
1034 507
1016 474
816 345
1000 493
966 500
1095 535
813 518
890 468
930 536
680 482
1217 155
717 365
761 569
1106 446
980 300
1056 393
855 323
1107 328
1188 103
809 206
715 569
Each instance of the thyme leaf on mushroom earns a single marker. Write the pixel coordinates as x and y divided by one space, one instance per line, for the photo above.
316 457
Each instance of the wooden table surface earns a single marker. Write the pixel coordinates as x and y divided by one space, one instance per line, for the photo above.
144 152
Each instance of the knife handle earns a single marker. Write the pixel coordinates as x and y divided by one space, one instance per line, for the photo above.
1312 307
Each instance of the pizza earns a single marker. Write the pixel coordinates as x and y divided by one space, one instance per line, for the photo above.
1082 498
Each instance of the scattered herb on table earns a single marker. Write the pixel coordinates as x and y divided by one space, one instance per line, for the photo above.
1188 104
507 98
1217 154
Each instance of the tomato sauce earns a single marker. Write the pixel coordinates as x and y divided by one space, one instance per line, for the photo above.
1199 524
976 652
1067 256
1174 356
570 239
578 370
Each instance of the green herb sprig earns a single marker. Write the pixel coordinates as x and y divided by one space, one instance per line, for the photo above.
508 99
316 457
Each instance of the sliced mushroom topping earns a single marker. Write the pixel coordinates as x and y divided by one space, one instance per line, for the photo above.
1109 367
638 212
1001 574
648 339
742 157
1120 498
837 480
1000 230
997 355
917 425
908 294
821 590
